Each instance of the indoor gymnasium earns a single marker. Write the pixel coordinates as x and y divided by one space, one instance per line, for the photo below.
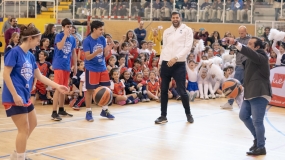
142 80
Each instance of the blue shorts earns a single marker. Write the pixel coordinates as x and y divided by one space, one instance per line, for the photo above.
14 110
95 79
192 86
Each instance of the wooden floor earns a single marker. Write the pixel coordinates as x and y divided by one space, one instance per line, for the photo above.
215 135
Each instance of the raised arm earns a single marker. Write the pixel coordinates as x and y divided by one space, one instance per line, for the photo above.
275 49
255 57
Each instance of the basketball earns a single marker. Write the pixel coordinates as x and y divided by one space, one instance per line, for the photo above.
231 88
102 96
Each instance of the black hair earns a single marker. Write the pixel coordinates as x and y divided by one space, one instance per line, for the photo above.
11 20
45 53
191 61
175 13
96 24
225 69
105 35
42 41
258 42
65 22
112 71
125 44
115 41
138 60
121 56
143 42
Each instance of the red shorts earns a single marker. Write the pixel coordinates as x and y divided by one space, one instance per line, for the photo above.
96 79
61 77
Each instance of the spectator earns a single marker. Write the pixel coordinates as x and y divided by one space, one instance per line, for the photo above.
6 25
185 12
236 7
277 7
165 9
193 10
245 12
10 31
266 33
50 33
205 11
140 32
202 34
229 11
156 37
215 38
75 34
156 10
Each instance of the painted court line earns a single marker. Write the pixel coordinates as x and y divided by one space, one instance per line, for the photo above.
268 121
52 156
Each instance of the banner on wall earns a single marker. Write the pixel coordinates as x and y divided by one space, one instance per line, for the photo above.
277 79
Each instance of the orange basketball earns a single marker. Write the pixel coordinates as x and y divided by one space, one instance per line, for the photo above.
102 96
231 88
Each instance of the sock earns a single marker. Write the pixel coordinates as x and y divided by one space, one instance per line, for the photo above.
88 109
61 109
21 156
54 112
105 108
131 98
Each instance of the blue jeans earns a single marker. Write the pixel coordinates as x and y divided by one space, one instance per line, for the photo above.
239 75
252 114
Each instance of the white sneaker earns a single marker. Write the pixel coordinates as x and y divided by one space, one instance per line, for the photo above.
201 96
227 106
206 97
209 96
213 96
193 97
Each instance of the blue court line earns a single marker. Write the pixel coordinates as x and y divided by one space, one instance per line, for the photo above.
111 135
268 121
52 156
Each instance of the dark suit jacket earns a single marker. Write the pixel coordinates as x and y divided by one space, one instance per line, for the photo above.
256 73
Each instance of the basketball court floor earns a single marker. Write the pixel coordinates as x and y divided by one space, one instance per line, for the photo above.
216 134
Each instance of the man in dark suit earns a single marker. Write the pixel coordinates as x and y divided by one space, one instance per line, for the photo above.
257 91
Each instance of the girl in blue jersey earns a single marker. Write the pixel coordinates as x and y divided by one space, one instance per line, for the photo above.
19 72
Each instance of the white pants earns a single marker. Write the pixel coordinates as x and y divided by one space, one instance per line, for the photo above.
244 12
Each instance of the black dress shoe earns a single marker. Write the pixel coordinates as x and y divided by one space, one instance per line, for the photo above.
254 146
257 151
189 118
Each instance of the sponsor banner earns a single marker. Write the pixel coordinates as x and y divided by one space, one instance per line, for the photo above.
277 79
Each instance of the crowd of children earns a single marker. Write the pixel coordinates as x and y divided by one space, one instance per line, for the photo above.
133 69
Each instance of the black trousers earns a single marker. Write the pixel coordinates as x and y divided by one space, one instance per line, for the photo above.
178 72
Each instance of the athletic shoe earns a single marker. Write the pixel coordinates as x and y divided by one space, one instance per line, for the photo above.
189 118
121 103
213 96
201 96
72 102
76 107
55 117
227 106
193 97
206 97
64 113
129 101
161 120
136 101
178 98
107 114
143 100
147 100
27 158
89 116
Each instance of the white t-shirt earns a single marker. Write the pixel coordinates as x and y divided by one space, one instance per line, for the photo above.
82 79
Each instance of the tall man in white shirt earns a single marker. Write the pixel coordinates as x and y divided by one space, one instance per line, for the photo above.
177 43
